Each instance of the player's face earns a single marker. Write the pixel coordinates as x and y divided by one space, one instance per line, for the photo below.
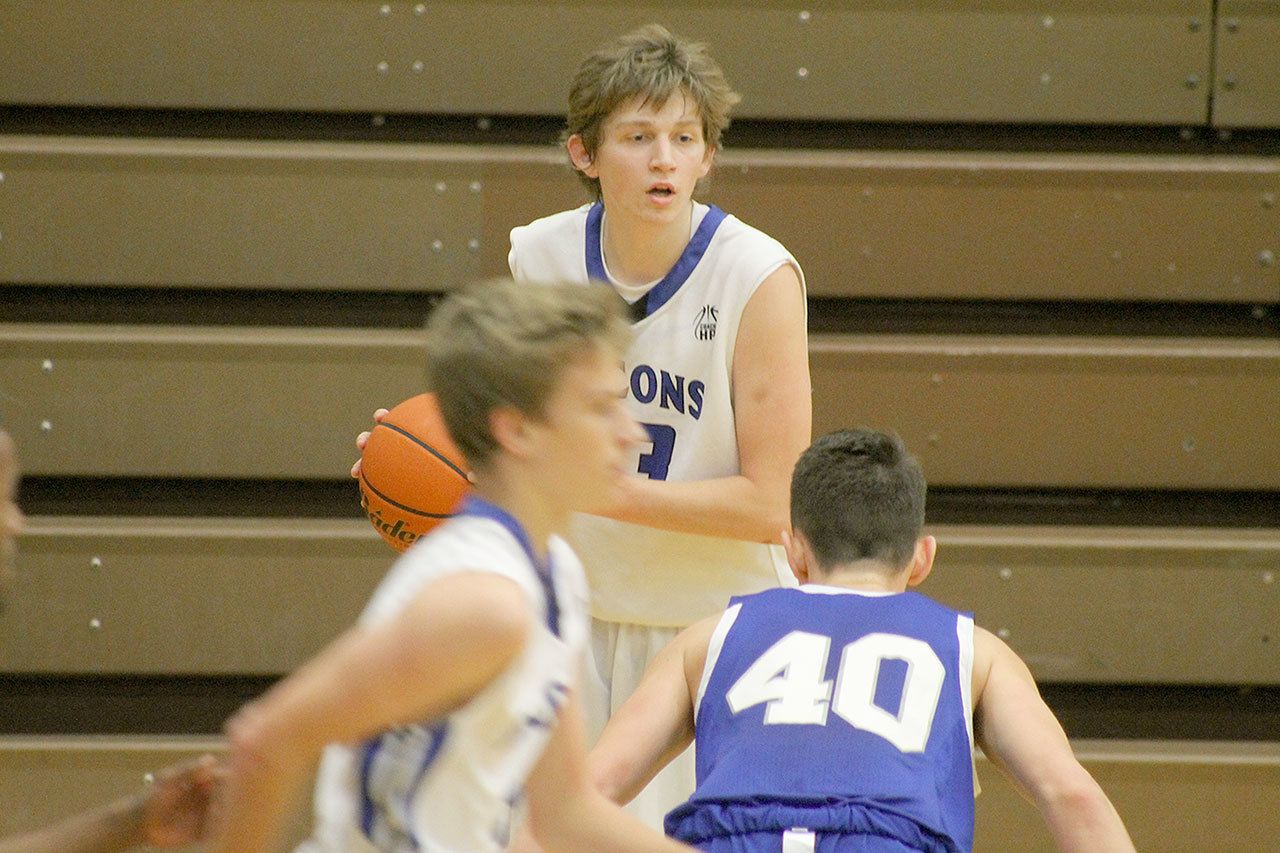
587 436
650 158
10 516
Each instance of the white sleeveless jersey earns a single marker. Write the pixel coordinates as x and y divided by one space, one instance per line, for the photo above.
448 785
680 365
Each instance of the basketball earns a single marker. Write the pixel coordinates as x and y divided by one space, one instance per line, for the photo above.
412 477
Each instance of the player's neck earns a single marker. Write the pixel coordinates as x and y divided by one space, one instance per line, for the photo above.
540 518
638 252
864 576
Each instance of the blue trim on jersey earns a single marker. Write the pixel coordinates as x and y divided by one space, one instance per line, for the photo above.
595 253
368 811
440 731
675 278
481 508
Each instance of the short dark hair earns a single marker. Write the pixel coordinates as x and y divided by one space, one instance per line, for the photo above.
857 494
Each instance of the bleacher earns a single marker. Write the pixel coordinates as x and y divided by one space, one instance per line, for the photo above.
1040 242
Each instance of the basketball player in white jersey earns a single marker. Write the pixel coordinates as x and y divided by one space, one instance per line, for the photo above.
841 716
717 371
457 692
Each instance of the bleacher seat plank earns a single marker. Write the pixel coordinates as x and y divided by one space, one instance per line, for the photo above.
185 596
199 401
427 217
1115 63
1079 412
1173 795
1246 75
1121 605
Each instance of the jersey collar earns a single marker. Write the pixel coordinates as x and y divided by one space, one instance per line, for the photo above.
662 292
478 507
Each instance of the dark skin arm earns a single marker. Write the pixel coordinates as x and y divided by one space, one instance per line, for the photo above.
171 812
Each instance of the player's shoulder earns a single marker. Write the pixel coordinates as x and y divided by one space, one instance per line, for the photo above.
464 544
925 604
564 222
744 253
568 565
768 597
733 230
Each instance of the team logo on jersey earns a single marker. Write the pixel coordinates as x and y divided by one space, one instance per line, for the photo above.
704 325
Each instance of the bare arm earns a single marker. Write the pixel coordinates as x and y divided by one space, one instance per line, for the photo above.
1021 736
456 636
173 811
773 414
567 814
656 723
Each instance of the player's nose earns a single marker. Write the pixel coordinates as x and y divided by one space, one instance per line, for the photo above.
663 157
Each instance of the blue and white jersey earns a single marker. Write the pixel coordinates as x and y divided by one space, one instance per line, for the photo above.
449 785
835 711
680 366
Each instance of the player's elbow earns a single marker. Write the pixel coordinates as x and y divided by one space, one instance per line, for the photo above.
1074 798
773 515
556 824
777 521
261 742
250 739
608 777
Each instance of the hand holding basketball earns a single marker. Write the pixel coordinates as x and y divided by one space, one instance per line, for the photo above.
363 438
411 474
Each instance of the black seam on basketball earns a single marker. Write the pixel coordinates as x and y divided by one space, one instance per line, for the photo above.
398 505
436 453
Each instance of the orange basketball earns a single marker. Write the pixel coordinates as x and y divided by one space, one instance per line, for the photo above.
412 477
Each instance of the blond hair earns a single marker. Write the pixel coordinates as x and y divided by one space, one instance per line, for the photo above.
498 343
651 64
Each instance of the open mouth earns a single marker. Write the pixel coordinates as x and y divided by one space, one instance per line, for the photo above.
662 191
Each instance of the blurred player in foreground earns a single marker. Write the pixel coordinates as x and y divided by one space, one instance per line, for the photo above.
456 692
841 716
171 812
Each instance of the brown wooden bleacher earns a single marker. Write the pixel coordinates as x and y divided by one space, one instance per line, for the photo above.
414 217
221 225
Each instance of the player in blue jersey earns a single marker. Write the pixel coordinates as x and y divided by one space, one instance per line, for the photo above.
457 692
841 716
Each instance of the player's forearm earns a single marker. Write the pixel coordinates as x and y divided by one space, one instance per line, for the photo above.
590 822
260 792
270 758
729 507
117 826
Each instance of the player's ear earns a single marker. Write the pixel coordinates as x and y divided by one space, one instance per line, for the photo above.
922 562
509 428
580 156
797 551
708 160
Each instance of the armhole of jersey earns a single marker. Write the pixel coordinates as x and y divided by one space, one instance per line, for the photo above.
713 654
787 261
964 633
